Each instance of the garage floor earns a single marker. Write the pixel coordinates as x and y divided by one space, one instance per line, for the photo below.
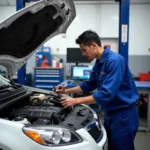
142 140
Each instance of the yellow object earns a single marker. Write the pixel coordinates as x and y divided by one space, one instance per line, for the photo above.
34 136
54 57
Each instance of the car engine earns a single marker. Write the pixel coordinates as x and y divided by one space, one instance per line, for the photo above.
46 109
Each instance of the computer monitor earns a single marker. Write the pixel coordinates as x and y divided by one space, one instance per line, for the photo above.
74 55
80 72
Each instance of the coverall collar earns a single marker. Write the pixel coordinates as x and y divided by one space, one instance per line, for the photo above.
104 54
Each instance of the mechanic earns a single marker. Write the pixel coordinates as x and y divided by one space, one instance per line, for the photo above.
116 91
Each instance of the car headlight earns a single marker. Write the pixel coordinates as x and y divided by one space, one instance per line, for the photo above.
52 136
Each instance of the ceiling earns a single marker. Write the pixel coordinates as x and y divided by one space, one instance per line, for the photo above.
13 2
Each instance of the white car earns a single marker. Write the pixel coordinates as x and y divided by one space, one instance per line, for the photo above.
31 118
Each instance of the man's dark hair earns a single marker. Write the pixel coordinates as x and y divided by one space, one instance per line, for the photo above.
88 37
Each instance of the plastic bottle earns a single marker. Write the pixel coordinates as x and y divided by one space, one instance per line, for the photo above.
61 63
57 63
54 62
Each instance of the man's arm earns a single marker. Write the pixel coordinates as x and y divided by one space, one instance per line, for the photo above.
76 89
67 102
65 90
86 100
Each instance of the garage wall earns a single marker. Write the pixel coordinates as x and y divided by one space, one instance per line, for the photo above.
89 17
6 11
103 18
139 30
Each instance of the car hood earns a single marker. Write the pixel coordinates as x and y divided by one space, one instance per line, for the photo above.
25 31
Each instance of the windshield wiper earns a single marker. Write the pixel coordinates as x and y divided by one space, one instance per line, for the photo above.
12 83
5 86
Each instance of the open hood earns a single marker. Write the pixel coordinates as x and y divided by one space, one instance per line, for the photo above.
25 31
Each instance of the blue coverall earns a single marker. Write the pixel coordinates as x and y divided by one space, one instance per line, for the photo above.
117 94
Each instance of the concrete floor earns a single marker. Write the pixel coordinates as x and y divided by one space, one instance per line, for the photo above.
142 141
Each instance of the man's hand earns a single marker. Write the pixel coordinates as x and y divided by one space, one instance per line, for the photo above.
61 89
68 102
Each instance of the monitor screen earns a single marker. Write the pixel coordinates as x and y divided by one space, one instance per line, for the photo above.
74 55
80 72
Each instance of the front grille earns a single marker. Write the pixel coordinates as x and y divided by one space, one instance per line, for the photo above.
96 133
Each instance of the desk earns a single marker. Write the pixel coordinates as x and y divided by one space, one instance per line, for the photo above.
142 86
69 83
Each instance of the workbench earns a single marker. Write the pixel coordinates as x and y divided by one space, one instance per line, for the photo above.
144 87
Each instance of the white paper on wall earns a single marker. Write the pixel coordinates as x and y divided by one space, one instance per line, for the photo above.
124 35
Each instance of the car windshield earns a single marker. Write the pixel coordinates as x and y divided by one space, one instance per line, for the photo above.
4 81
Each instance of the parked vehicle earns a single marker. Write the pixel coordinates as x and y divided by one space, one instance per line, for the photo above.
32 118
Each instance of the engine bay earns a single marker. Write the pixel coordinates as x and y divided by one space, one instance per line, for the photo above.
46 109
